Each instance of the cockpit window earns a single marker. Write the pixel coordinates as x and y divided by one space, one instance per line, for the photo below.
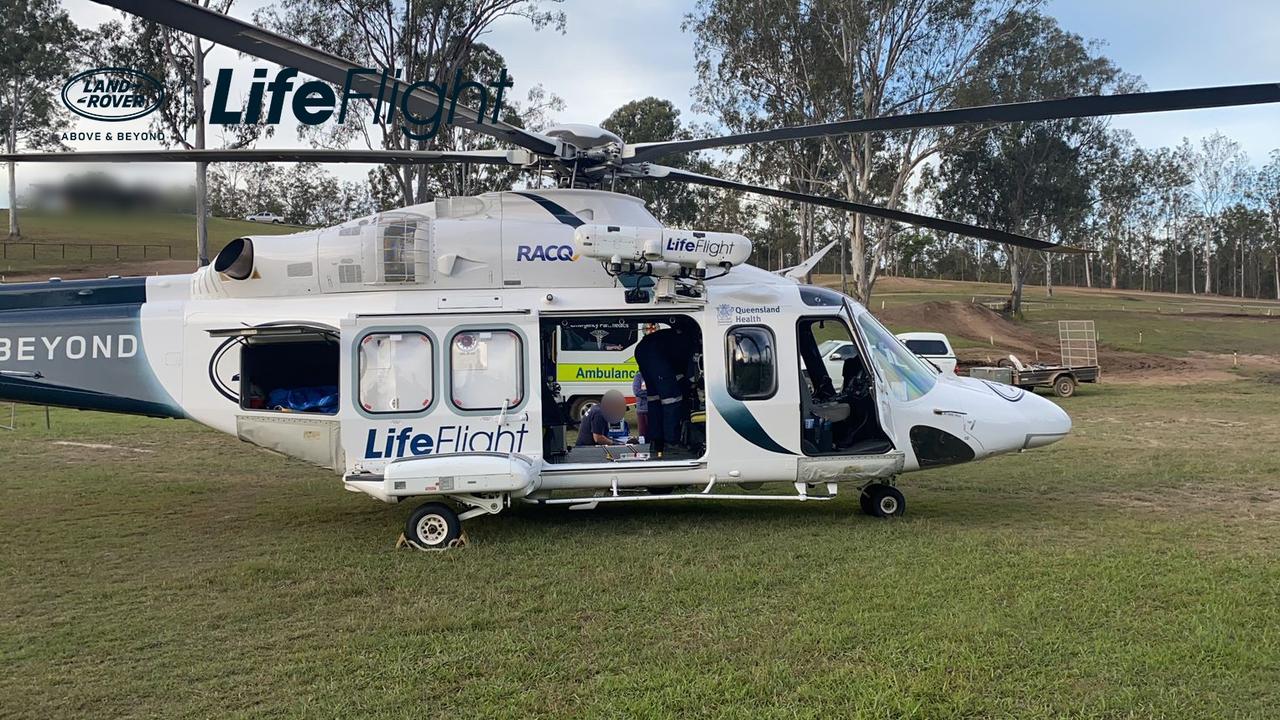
907 376
814 296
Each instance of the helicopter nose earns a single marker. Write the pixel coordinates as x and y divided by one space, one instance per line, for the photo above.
1046 422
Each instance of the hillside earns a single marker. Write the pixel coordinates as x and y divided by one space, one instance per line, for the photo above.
170 240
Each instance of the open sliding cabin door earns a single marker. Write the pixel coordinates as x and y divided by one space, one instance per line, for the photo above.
284 378
457 383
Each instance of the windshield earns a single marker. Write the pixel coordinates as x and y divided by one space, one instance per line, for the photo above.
907 376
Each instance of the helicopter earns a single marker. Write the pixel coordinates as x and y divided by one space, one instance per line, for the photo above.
413 352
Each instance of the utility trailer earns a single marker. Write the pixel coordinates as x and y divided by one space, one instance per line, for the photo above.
1078 341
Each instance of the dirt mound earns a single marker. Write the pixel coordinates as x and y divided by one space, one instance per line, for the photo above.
973 322
998 337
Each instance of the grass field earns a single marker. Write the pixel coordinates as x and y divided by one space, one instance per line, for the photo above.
130 230
1132 570
1158 323
157 569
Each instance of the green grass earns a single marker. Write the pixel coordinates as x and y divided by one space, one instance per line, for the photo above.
1132 570
1171 334
126 229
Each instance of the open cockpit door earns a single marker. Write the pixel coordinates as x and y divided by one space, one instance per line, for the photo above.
935 426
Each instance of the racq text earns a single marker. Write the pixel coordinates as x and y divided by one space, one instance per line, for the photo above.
315 102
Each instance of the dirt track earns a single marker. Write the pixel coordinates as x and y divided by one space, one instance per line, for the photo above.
1002 337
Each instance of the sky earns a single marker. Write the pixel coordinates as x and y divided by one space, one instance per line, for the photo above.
612 52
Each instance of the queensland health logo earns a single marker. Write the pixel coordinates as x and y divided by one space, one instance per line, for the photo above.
112 94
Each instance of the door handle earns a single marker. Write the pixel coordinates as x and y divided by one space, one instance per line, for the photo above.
957 413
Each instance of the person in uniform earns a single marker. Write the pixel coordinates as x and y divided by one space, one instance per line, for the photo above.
594 429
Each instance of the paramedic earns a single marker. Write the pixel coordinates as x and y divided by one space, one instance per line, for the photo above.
594 429
664 357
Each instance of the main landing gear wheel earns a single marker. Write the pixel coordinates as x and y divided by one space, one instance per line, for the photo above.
433 526
879 500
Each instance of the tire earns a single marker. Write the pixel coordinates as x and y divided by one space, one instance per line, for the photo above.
864 500
580 406
433 526
883 501
1064 386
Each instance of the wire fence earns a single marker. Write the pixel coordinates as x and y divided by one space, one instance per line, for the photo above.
1171 308
23 250
9 415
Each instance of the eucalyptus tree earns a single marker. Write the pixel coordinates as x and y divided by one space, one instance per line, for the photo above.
1218 171
845 60
1029 177
1121 179
1170 188
422 40
37 42
649 120
1266 189
177 61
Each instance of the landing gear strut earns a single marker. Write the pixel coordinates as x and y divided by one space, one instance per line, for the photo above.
880 500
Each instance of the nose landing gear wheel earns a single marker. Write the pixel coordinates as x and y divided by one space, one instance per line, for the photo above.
433 526
879 500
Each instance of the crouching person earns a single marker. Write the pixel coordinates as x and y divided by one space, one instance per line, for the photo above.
594 429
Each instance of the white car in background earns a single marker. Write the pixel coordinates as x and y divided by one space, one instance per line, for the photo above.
931 346
265 217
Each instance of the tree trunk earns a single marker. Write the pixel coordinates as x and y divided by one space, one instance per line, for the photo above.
1016 274
1048 275
202 169
1088 272
1191 247
1276 258
1115 265
14 231
1208 278
11 143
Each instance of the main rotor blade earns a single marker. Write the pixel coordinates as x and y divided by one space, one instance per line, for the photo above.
391 157
1074 107
933 223
264 44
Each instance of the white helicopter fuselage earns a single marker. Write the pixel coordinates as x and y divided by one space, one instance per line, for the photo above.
423 336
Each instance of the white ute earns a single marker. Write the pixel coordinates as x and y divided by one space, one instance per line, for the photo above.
931 346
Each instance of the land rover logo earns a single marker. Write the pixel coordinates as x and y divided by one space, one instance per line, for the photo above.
112 94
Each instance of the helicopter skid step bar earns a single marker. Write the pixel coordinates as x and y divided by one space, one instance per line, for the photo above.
590 503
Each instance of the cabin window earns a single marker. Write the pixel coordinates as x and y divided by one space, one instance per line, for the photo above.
753 368
486 369
397 372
